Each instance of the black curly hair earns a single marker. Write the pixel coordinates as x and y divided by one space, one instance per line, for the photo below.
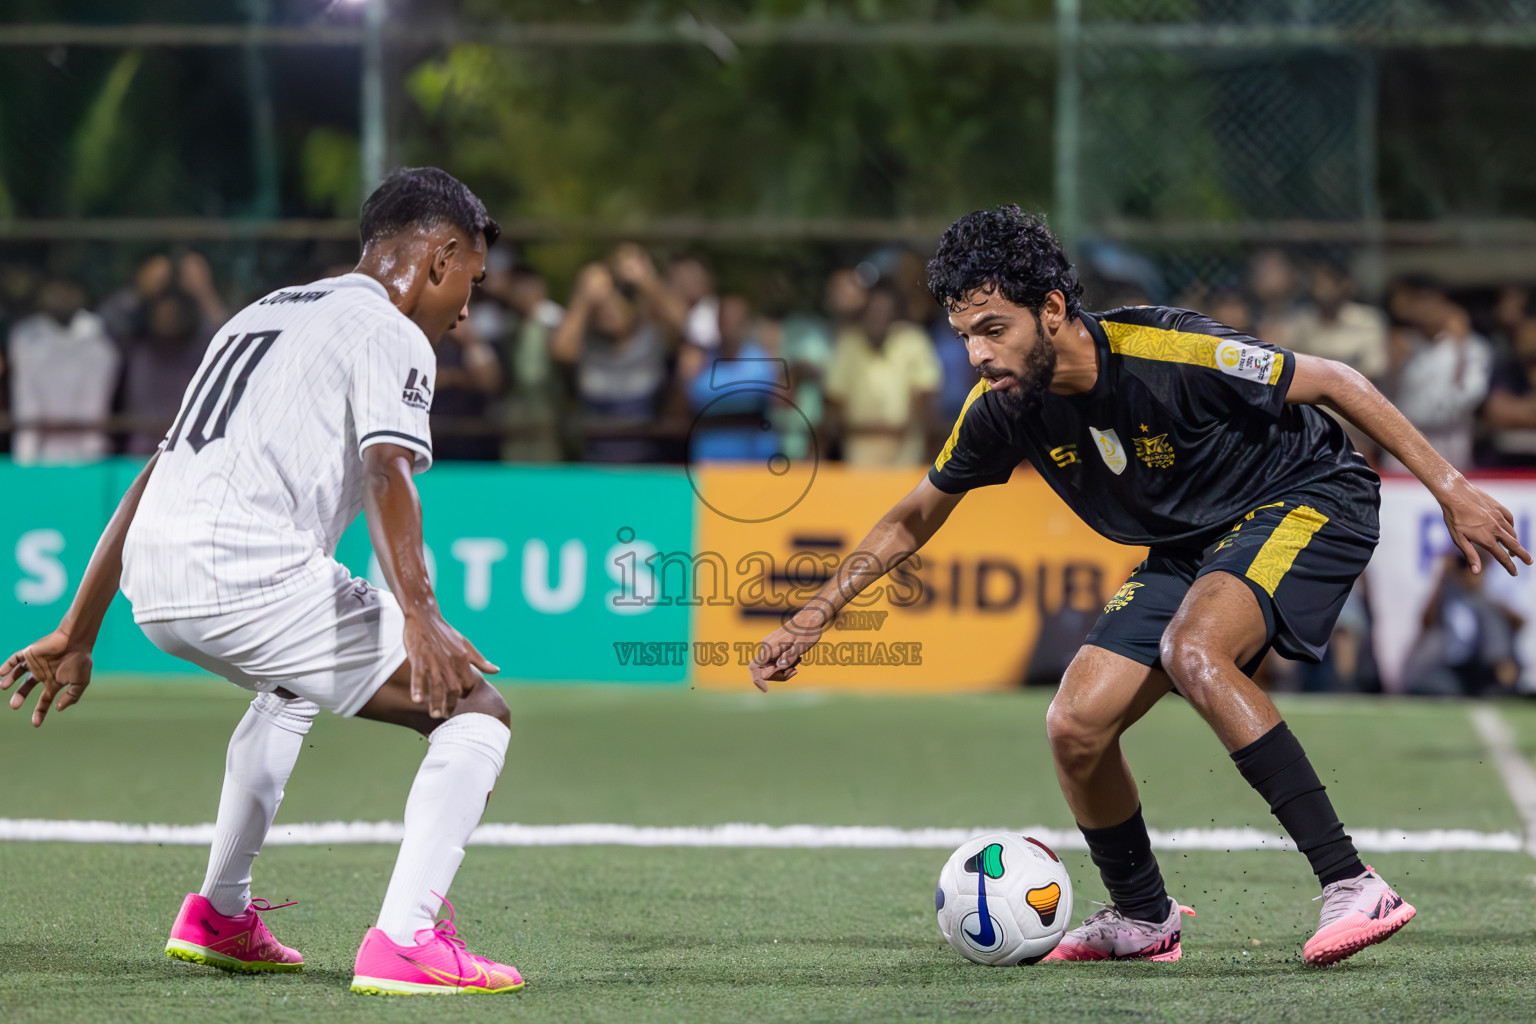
1006 249
424 196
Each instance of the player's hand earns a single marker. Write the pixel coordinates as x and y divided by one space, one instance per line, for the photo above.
444 665
1476 521
62 668
780 652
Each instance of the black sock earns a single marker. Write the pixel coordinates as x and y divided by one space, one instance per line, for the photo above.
1276 766
1123 854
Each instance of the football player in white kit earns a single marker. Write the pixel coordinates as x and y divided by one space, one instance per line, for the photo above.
310 406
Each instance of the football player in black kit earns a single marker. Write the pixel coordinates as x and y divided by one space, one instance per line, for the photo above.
1164 428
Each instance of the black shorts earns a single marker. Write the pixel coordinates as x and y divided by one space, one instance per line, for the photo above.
1299 561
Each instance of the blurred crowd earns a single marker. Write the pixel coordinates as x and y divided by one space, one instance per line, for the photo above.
81 383
646 361
1460 364
641 360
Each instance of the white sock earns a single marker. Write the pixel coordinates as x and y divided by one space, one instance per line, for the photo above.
465 757
261 756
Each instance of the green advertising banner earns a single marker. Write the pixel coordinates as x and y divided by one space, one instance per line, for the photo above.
543 568
536 565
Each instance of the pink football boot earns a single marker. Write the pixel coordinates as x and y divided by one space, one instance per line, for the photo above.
438 965
1357 912
202 935
1110 935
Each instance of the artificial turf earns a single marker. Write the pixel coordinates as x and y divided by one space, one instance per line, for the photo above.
633 934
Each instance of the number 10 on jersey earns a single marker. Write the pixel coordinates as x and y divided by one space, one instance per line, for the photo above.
225 392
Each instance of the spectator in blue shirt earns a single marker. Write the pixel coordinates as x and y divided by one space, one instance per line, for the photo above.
732 389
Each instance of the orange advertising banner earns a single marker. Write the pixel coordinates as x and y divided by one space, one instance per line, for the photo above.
1003 594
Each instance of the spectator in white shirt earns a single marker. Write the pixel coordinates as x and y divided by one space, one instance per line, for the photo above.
690 280
1446 377
63 369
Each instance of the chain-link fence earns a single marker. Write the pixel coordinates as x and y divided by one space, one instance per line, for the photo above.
1384 133
1168 139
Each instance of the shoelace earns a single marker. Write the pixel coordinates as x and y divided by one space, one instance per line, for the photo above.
264 936
1109 910
447 932
263 905
1103 920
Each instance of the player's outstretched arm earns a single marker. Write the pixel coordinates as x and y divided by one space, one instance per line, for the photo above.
898 535
443 662
1474 519
61 661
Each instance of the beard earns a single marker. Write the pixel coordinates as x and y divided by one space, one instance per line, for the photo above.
1029 388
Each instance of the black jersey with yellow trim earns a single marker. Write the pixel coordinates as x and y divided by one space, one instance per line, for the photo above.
1185 430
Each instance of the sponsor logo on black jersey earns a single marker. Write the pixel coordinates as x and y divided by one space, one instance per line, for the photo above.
1123 597
418 390
1247 361
1156 452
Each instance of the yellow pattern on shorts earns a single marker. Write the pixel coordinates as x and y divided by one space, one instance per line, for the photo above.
1275 558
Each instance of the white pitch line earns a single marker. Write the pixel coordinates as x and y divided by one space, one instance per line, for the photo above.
1516 770
731 836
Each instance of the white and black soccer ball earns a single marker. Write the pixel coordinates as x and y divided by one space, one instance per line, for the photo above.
1003 898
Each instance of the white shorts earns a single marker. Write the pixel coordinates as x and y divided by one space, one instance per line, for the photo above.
334 642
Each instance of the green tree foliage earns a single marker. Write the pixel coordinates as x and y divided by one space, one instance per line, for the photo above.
331 174
102 132
621 134
103 138
736 11
624 133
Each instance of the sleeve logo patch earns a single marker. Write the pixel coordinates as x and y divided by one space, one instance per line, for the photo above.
1246 361
418 391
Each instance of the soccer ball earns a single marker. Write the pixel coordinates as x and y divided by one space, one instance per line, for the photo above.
1003 899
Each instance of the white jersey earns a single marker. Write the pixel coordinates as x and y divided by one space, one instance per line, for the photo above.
262 471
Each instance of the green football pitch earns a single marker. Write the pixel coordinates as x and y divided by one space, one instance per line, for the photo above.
626 933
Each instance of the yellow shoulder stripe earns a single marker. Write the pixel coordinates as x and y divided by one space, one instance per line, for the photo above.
981 388
1177 347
